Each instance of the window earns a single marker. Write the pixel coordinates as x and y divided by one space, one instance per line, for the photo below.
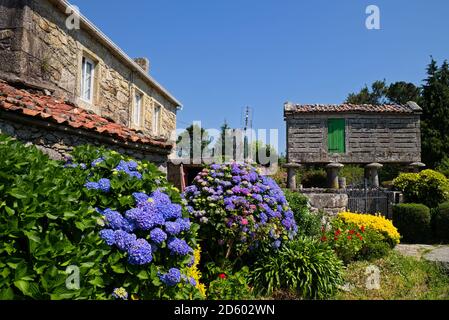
137 111
87 80
156 119
336 135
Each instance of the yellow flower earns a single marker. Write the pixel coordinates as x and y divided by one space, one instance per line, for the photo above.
195 273
378 223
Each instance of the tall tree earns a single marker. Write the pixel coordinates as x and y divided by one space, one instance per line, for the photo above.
396 93
375 95
193 143
435 118
402 92
225 141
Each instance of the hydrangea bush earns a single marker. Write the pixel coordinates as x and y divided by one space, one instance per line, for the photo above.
239 211
142 220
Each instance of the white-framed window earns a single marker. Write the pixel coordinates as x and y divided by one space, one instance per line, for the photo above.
156 119
137 110
87 80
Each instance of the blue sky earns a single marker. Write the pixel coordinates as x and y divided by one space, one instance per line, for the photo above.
219 56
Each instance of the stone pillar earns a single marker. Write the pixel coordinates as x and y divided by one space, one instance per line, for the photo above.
332 174
416 167
372 174
291 174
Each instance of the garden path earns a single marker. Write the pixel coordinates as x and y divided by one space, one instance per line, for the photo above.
435 253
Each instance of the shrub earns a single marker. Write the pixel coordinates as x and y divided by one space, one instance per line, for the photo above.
354 174
313 178
239 211
360 236
51 217
441 222
412 221
228 285
305 266
377 223
428 187
308 224
347 240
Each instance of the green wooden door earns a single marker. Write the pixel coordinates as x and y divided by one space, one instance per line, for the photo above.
336 136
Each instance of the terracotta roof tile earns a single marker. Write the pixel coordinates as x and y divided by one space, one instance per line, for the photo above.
410 107
48 108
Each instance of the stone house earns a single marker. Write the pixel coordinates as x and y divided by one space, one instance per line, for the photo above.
335 135
63 86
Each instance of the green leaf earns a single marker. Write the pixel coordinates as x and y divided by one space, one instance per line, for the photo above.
23 286
6 294
143 275
118 268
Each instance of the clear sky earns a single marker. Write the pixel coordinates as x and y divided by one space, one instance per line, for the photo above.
218 56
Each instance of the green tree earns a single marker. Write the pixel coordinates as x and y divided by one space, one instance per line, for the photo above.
224 141
435 118
375 95
193 143
396 93
402 92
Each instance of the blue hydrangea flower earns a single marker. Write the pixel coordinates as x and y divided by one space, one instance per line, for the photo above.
92 186
104 185
172 278
144 219
124 240
117 222
184 224
276 244
172 228
158 236
140 197
140 253
97 161
108 235
192 282
179 246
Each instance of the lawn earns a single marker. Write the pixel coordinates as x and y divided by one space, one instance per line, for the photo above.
401 278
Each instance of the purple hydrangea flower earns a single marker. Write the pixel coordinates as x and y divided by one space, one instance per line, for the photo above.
179 246
172 278
172 228
140 253
124 240
108 235
158 236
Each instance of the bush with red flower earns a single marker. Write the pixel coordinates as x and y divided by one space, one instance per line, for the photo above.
352 241
239 210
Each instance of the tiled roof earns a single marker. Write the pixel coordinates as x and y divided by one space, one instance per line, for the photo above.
410 107
37 105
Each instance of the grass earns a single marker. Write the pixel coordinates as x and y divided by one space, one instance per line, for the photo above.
401 278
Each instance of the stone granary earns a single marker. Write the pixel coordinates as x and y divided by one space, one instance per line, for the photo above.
335 135
63 86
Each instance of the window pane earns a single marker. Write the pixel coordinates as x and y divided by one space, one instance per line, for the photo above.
156 117
137 109
87 80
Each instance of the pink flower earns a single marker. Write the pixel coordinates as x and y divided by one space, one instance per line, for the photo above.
244 222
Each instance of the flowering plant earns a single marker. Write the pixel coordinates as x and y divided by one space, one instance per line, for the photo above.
239 210
378 223
360 236
141 218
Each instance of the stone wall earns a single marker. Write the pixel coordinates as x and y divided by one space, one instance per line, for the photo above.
37 48
330 203
58 141
384 138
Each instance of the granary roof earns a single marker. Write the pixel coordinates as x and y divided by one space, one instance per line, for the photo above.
34 104
410 107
